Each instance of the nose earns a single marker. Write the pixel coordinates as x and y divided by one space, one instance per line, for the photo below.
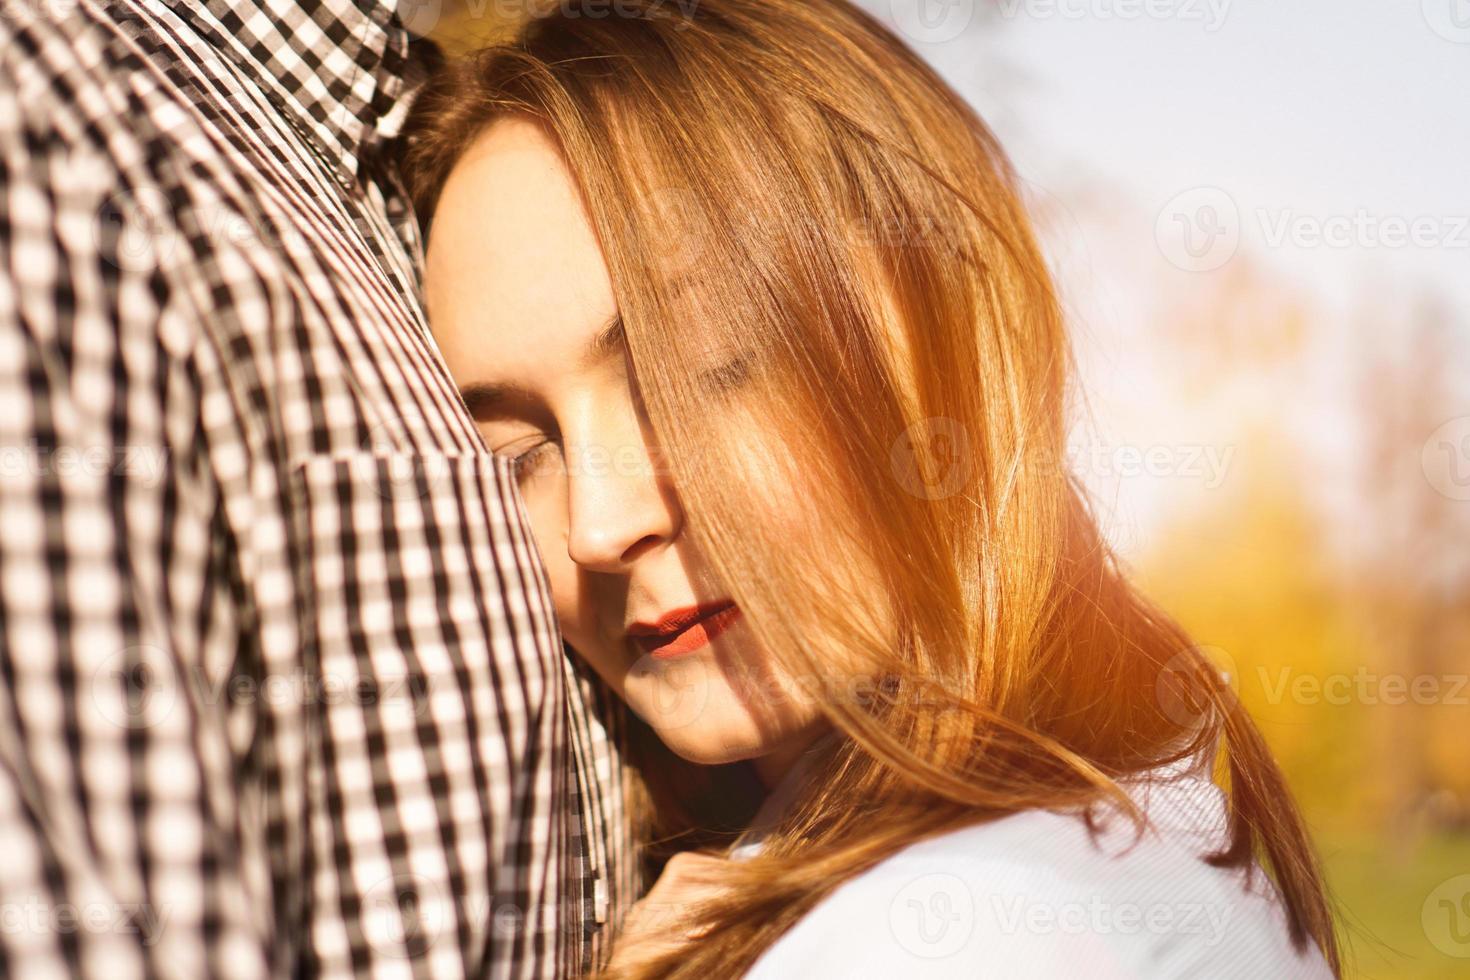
620 505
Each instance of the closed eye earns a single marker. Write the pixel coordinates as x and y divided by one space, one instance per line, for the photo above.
527 463
730 375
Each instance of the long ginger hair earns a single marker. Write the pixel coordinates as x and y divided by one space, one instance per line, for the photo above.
785 179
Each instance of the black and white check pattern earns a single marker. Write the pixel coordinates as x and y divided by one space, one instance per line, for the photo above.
281 690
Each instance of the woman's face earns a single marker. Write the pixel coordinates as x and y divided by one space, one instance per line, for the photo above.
523 310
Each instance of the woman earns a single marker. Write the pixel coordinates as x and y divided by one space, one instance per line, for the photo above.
749 297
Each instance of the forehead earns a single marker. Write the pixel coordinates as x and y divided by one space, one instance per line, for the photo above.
515 278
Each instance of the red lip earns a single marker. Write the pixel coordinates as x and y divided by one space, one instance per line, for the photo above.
684 630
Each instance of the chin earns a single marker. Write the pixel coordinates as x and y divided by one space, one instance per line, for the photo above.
702 720
713 748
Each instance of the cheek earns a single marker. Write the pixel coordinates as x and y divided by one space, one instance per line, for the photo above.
576 608
548 527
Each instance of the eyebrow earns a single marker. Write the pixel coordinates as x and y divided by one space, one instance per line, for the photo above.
608 342
488 400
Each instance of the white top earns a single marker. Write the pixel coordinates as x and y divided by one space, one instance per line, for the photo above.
1033 895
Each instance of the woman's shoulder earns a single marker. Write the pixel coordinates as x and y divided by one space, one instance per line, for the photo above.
1039 893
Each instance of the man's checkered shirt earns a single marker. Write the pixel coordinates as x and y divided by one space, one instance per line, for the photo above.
281 689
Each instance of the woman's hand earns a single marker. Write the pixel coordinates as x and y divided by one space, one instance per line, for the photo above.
662 921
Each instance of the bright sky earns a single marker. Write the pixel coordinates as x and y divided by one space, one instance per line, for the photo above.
1326 142
1305 112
